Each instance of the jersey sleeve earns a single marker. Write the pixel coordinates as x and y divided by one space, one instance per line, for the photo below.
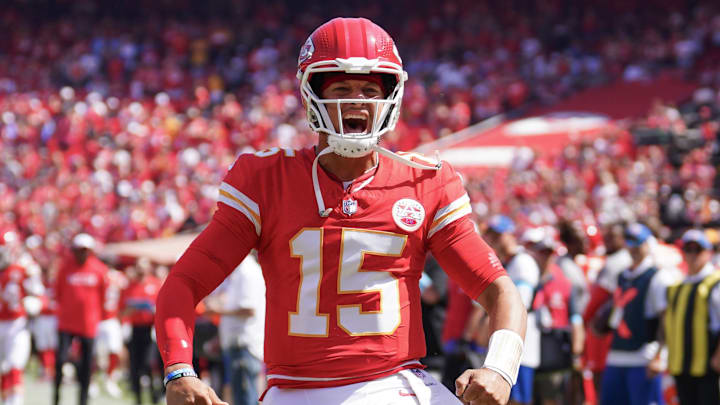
453 202
232 233
239 191
465 256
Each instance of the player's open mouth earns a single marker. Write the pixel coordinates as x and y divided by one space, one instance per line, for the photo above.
355 122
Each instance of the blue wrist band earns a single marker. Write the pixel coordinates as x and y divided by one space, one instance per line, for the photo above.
179 373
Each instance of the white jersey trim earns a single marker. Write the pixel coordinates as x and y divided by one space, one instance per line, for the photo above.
293 378
450 213
232 197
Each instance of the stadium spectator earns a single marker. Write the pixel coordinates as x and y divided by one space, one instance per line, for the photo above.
573 238
109 335
556 305
21 288
617 259
44 330
80 293
137 306
635 360
525 273
692 325
241 308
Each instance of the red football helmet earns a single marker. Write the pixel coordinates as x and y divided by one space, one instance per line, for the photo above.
352 46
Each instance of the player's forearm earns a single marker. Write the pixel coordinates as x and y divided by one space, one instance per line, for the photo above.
175 321
474 324
508 321
504 306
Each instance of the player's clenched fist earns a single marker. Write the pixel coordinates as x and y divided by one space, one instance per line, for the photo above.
482 387
191 391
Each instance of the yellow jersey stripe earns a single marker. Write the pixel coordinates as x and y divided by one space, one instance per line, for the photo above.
448 209
450 218
249 203
231 201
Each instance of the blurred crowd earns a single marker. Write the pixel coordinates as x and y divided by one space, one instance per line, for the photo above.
671 184
136 111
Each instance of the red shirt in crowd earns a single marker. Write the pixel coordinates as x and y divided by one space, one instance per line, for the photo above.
555 294
80 292
458 310
140 296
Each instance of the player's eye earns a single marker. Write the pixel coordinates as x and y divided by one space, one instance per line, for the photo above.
341 89
372 92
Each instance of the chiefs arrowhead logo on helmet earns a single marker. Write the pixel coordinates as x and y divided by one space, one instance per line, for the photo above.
306 51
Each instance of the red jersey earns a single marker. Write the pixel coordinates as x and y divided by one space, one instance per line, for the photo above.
140 296
117 281
343 297
12 290
80 292
343 291
555 294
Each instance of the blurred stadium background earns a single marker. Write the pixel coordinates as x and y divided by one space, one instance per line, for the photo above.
119 119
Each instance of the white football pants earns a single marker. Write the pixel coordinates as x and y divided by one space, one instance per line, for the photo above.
407 387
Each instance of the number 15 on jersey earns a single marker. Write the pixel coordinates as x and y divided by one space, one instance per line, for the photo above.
307 245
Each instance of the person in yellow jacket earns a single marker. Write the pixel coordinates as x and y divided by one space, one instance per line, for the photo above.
692 325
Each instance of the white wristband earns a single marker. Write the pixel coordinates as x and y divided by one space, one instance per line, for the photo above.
504 352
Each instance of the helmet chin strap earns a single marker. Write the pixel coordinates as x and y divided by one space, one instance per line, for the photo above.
394 156
325 212
316 184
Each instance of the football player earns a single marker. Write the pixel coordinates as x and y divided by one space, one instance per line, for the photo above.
20 288
80 288
109 331
342 231
44 328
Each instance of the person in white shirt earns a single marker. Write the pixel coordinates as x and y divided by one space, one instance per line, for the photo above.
242 327
525 273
